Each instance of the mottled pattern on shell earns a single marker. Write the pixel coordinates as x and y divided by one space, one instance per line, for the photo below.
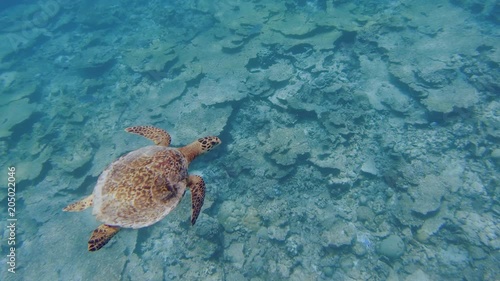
141 187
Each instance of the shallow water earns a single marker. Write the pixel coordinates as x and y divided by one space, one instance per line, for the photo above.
360 138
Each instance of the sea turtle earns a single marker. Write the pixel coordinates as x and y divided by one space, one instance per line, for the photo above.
143 186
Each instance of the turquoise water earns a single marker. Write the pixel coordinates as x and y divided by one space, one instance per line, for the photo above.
360 138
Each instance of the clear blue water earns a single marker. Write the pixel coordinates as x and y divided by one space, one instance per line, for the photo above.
360 138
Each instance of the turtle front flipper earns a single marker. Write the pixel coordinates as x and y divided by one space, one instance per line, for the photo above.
101 236
197 187
80 205
157 135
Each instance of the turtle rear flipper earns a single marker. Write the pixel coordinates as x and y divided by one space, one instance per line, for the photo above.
80 205
101 236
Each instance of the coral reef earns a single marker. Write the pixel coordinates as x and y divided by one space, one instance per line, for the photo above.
360 138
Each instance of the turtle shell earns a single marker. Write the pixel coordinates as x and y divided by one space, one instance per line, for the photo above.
141 187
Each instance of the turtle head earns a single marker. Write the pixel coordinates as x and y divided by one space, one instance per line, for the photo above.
207 143
199 146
